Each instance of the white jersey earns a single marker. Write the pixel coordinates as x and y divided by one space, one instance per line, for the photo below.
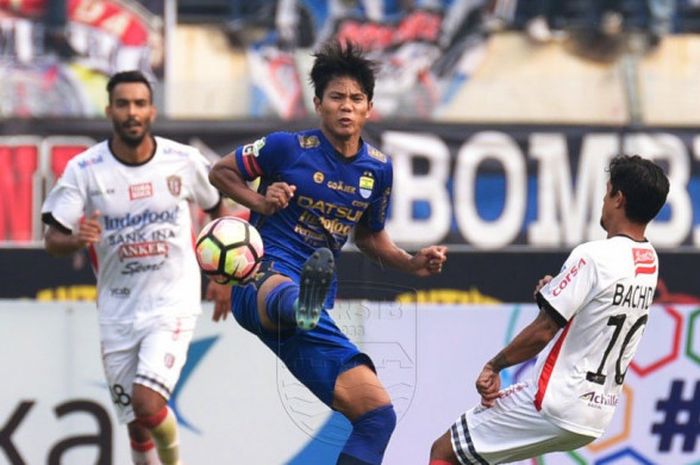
145 262
602 295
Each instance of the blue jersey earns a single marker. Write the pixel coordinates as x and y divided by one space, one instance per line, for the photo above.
333 194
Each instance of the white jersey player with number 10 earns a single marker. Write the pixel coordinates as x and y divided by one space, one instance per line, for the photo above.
592 317
601 298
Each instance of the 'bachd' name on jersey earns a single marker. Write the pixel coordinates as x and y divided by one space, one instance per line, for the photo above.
634 296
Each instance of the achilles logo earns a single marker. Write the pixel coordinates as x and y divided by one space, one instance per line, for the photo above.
143 249
140 191
598 400
644 261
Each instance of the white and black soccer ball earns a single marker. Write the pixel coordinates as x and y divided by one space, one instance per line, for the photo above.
229 250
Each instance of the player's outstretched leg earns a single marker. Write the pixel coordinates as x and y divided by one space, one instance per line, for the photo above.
316 277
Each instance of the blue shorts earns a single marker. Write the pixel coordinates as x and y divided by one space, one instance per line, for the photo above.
316 357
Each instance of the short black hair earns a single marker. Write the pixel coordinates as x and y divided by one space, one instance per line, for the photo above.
128 76
643 183
336 59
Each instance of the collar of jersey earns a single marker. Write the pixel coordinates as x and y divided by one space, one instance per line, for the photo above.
123 162
327 146
630 238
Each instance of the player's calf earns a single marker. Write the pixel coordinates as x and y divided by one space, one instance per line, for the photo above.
144 453
316 277
369 438
163 428
441 452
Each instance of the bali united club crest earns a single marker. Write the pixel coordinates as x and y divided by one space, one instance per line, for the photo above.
174 184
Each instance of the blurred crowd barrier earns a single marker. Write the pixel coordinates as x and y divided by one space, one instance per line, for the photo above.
570 61
233 392
56 55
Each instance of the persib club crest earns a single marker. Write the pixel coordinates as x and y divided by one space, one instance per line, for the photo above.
174 184
366 185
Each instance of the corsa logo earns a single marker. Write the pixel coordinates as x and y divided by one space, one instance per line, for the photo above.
557 288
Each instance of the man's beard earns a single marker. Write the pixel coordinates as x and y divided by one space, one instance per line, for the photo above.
129 139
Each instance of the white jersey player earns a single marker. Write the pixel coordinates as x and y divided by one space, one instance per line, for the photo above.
145 262
592 316
127 200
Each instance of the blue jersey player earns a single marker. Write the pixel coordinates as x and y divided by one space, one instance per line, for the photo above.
317 187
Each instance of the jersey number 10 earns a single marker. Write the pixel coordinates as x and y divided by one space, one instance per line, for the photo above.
617 321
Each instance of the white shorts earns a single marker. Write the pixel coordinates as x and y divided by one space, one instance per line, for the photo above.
509 431
150 353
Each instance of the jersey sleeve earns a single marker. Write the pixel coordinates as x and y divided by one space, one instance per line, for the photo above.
65 204
571 289
374 217
205 195
265 156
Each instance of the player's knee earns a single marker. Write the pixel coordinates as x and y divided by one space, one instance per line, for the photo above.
161 417
279 303
146 402
378 423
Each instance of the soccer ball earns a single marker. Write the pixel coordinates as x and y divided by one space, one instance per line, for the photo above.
229 250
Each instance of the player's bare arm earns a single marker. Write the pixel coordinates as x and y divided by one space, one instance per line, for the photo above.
61 243
226 176
379 246
527 344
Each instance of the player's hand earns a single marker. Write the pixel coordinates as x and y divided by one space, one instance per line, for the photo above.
488 385
429 260
89 229
221 295
541 283
277 197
